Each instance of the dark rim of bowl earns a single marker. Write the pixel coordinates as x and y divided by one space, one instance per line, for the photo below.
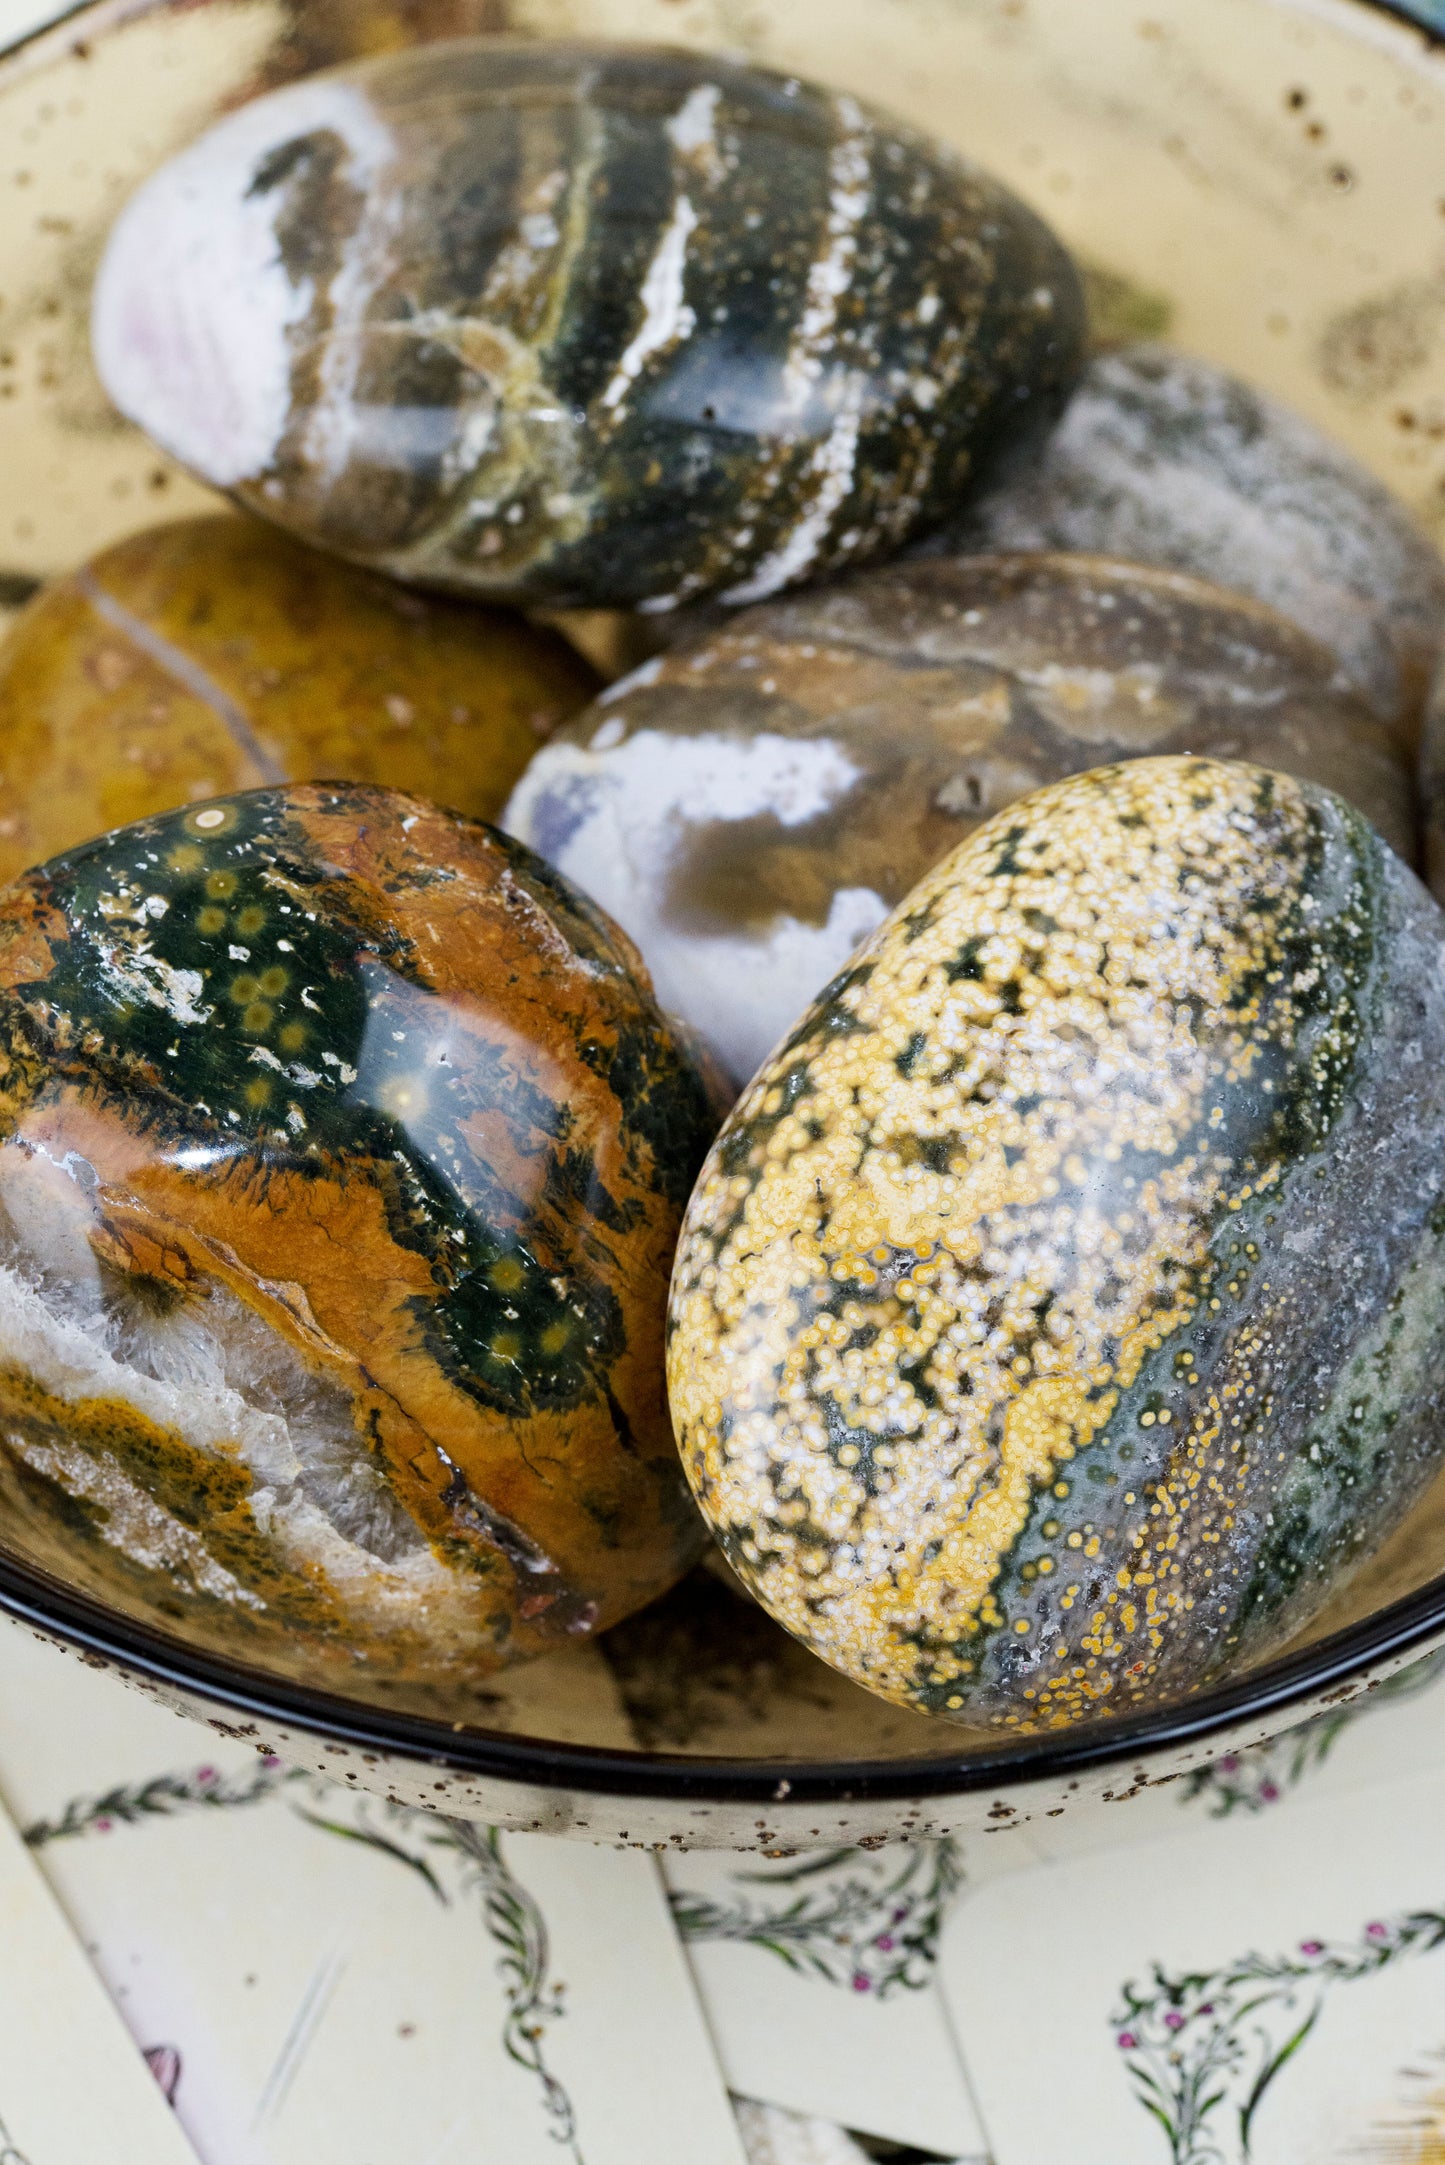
34 1598
1403 12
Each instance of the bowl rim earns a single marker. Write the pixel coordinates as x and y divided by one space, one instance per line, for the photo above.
65 16
1407 12
1333 1664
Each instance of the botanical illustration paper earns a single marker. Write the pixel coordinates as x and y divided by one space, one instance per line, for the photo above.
56 2024
816 1973
315 1976
779 1946
1268 1988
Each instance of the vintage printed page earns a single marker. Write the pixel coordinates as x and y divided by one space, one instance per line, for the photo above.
314 1976
73 2089
1395 1729
1264 1989
816 1973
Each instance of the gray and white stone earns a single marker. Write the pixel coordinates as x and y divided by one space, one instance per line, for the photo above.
595 324
1169 460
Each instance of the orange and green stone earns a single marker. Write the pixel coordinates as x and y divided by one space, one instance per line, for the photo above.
344 1151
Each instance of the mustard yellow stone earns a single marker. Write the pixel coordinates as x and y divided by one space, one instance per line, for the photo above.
1060 1315
213 654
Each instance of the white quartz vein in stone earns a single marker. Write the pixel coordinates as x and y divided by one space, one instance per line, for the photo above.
666 317
615 815
831 274
693 126
833 463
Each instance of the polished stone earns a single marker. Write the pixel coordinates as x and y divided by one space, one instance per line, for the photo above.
344 1151
1167 459
1060 1316
213 654
751 804
596 324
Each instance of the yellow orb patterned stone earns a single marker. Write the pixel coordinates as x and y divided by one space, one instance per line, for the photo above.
1061 1313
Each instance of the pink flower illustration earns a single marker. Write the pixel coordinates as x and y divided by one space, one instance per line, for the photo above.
1173 2021
1128 2042
164 2063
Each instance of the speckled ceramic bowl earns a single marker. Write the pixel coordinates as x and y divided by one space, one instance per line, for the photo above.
1262 181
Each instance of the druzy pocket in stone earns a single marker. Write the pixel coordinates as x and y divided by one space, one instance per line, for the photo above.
344 1150
596 324
1060 1315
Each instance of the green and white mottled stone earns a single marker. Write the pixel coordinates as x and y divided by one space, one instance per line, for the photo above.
1060 1316
1169 460
592 324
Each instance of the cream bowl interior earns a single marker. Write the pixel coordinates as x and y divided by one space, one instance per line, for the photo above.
1261 181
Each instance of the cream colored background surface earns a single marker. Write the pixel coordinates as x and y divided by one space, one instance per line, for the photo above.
326 2003
1033 1967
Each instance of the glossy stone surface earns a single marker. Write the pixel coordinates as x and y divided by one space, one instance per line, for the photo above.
1060 1315
1167 459
215 654
750 806
344 1151
596 324
1432 786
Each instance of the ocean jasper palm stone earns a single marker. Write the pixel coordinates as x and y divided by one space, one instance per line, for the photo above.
594 324
752 804
344 1152
1060 1315
1162 457
214 654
